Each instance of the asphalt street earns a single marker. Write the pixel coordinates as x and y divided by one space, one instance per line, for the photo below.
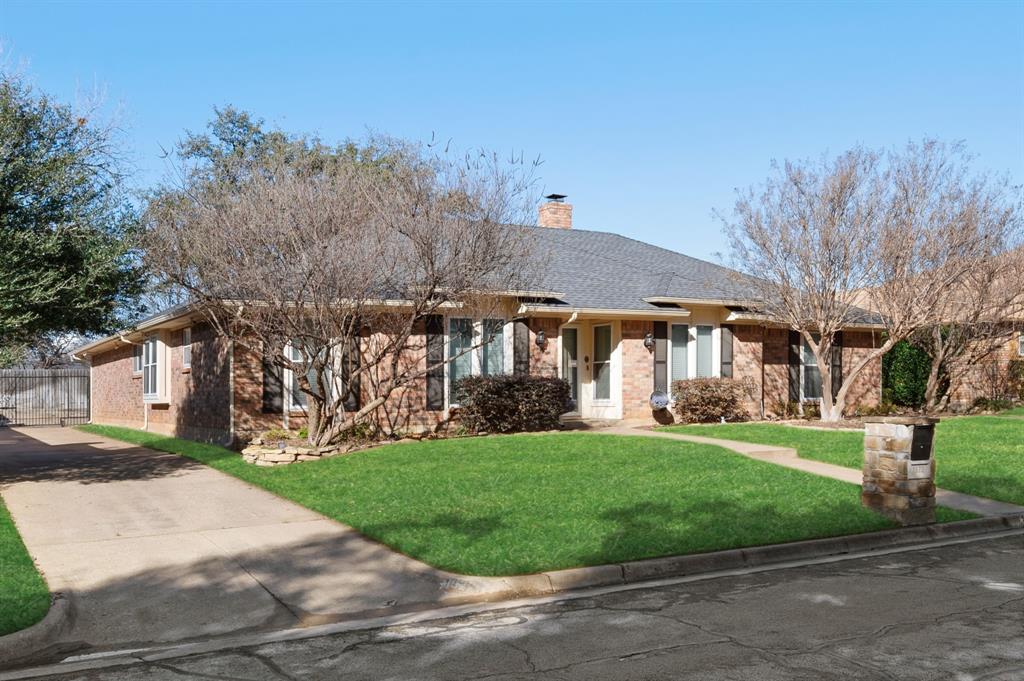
951 612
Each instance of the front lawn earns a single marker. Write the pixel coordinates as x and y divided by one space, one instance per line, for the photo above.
980 455
517 504
24 597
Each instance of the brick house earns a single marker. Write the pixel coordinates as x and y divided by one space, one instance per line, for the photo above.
997 376
617 318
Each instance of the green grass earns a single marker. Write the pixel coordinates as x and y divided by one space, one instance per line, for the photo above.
980 455
517 504
1016 411
24 597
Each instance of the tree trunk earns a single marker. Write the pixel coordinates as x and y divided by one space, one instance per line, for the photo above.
932 390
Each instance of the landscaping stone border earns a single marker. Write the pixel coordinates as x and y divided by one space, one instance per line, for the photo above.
31 643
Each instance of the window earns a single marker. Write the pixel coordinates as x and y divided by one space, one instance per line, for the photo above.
680 360
136 359
460 341
811 382
704 363
297 399
488 359
186 348
150 368
492 358
1020 344
602 362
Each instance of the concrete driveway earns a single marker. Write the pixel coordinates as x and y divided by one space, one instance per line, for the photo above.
154 547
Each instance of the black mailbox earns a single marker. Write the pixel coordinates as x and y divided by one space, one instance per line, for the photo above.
921 446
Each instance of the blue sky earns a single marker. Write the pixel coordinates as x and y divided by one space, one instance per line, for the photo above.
647 115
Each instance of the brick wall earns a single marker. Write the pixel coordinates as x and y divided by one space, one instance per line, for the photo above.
544 361
198 397
747 356
991 377
776 370
637 369
866 390
116 392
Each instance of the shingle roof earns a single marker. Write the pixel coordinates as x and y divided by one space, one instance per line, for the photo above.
609 271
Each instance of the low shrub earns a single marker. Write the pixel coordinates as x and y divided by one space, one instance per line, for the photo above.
279 435
704 400
512 404
1015 372
882 409
991 404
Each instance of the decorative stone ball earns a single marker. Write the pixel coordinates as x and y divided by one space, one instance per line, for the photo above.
659 400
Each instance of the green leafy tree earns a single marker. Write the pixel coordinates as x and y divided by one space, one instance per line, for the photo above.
905 370
66 224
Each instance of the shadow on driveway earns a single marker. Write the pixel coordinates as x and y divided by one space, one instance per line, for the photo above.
87 460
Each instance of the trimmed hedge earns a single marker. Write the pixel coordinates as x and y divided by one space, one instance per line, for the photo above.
704 400
905 371
512 404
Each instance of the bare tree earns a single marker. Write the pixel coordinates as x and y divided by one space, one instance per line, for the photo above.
327 265
979 317
895 233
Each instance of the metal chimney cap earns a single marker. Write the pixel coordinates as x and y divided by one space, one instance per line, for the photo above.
556 198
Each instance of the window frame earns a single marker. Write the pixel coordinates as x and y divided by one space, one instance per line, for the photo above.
151 356
291 405
805 349
1020 344
672 378
186 348
476 354
137 350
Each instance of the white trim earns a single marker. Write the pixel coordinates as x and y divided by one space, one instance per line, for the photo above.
160 361
579 368
287 378
603 313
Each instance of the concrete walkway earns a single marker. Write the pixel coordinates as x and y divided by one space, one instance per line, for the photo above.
154 547
786 456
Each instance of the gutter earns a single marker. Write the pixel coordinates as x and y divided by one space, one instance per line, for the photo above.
576 312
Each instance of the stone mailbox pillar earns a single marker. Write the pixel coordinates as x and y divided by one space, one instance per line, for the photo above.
899 470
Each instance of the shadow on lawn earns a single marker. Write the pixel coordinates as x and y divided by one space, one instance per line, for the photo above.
469 528
650 529
999 488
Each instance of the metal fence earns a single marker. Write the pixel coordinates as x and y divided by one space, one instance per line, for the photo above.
44 397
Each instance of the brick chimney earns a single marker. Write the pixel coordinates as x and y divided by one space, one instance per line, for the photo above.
555 212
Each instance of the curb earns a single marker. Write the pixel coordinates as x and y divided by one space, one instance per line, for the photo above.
632 572
552 587
28 644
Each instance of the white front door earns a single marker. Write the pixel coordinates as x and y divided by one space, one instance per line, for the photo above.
601 378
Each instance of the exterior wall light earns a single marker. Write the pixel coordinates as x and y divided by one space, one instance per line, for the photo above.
649 341
541 339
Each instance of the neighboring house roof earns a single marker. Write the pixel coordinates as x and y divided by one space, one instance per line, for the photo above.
601 270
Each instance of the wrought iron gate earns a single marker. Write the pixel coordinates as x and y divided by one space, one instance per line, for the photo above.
44 397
